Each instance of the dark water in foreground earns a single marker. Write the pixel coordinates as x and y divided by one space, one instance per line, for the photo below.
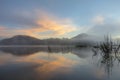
56 63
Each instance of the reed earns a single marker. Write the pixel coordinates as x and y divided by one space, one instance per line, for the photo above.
109 46
109 53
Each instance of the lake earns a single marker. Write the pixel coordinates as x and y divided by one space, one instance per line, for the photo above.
55 63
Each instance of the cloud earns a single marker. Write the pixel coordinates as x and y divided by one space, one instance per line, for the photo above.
58 27
51 26
4 32
18 18
7 32
2 28
98 19
42 24
108 26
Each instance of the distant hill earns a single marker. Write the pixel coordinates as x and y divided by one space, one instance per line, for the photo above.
82 39
20 40
85 39
79 37
28 40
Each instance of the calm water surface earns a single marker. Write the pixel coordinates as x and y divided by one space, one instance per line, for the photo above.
54 63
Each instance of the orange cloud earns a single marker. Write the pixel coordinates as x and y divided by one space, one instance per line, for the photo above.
45 26
55 26
51 25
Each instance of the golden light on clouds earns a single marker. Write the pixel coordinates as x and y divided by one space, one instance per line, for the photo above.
58 27
52 27
45 26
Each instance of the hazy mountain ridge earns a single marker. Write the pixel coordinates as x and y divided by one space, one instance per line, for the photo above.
80 36
20 40
28 40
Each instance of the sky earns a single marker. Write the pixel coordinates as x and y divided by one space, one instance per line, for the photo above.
59 18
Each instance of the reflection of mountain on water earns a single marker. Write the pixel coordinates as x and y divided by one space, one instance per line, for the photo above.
24 51
20 51
82 52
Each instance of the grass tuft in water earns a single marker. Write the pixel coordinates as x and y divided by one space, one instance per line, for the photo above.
109 46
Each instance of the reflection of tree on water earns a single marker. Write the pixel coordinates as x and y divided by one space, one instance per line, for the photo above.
108 53
107 61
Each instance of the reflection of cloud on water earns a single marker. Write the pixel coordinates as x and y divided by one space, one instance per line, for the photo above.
6 58
49 66
42 54
61 65
55 59
100 73
58 63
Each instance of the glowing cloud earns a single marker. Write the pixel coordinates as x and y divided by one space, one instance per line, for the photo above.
51 26
55 26
44 25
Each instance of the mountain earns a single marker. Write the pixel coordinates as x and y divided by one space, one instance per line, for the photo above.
85 39
20 40
82 39
28 40
79 37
